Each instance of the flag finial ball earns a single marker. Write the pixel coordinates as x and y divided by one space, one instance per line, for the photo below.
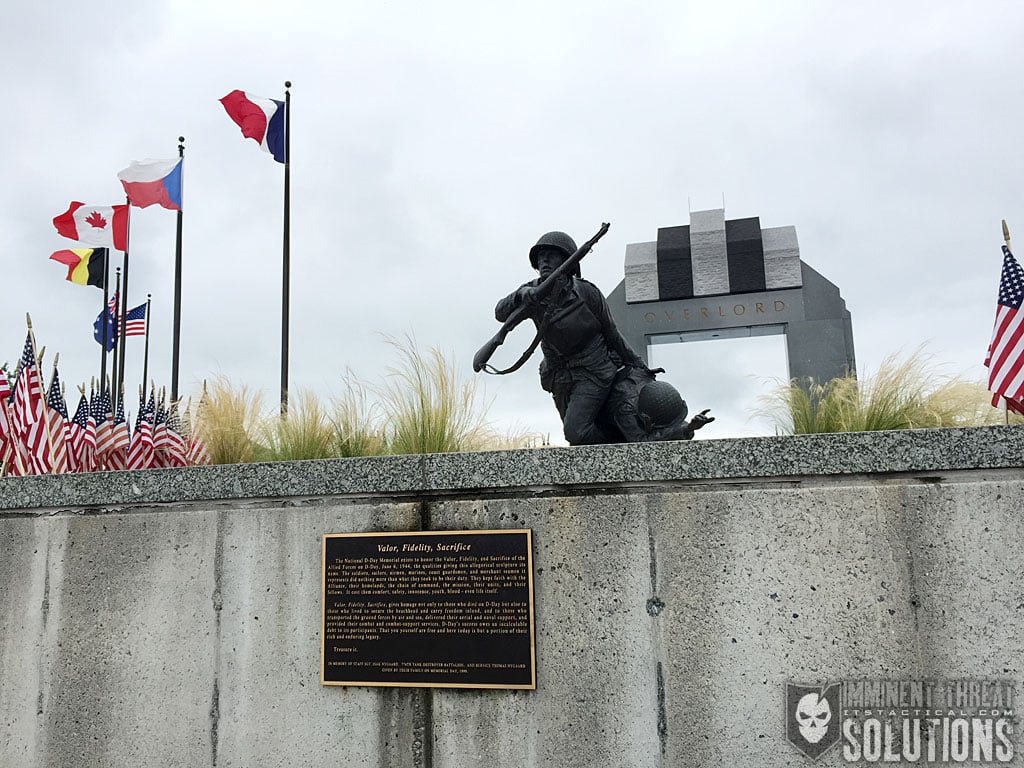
287 83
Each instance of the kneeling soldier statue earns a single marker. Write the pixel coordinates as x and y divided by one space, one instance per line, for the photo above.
603 390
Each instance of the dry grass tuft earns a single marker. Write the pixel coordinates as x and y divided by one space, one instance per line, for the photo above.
427 408
423 407
900 395
227 417
305 432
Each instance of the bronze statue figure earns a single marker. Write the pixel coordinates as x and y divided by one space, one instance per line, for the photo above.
603 390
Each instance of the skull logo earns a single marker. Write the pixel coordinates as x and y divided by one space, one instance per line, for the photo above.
813 714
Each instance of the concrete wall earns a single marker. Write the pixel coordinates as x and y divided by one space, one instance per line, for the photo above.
171 617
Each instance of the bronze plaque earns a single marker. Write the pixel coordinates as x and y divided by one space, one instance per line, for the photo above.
432 609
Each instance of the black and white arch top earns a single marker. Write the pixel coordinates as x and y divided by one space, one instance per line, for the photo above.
712 257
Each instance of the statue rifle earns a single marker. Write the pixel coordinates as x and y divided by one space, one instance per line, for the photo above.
521 312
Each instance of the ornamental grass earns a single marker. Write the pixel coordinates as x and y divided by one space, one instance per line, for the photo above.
423 406
306 432
356 420
428 408
910 394
228 417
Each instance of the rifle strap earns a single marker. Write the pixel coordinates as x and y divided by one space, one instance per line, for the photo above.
518 363
545 320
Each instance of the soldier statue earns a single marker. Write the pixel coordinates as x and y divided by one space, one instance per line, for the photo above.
603 390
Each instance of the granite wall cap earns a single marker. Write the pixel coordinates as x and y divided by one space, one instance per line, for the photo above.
576 468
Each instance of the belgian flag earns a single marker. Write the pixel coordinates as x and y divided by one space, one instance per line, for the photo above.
86 266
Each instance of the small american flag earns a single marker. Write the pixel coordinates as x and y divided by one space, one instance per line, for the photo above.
117 457
1005 358
28 390
140 452
6 437
100 408
56 428
81 449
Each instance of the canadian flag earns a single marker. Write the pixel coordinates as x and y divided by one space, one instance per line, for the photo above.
104 226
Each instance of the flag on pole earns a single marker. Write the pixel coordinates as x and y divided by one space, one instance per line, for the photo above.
5 420
14 451
108 318
105 226
135 321
86 266
56 428
159 434
175 446
81 445
196 453
27 399
153 182
140 452
1005 358
100 409
117 457
260 119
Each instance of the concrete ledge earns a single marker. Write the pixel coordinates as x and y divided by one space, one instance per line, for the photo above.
585 467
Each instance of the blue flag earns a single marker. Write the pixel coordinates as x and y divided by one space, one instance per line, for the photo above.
111 326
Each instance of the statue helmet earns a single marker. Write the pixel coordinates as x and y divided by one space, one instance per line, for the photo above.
661 405
557 240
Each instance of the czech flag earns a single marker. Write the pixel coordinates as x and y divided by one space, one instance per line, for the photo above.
152 182
86 266
105 226
260 119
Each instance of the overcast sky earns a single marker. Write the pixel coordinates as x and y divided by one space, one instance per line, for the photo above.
432 143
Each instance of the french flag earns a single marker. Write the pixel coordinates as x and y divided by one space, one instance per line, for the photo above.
153 182
260 119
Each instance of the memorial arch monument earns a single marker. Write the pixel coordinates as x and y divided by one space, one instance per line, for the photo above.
718 279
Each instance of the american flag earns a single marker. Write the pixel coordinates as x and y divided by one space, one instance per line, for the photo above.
160 434
117 457
197 453
12 453
5 421
176 447
80 449
140 452
28 391
135 321
56 426
1005 358
101 413
32 452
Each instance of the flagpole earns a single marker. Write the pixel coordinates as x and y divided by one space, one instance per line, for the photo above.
113 372
177 289
145 357
103 314
286 257
124 297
